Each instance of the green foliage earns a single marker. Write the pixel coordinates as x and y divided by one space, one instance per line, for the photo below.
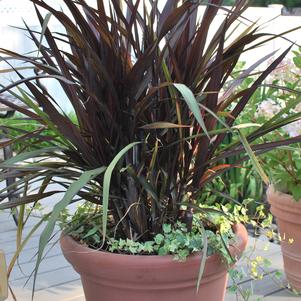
283 163
20 124
240 184
174 239
177 241
84 224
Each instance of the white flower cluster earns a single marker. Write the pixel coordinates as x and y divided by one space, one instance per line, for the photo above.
267 109
294 129
286 71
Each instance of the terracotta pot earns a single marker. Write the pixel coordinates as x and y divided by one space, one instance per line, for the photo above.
288 215
112 277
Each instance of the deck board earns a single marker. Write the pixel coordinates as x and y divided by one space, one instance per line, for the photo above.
58 281
283 295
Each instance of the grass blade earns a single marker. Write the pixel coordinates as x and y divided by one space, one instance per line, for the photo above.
204 256
44 27
253 158
192 104
74 188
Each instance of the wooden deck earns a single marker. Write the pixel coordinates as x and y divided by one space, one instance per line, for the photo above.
58 281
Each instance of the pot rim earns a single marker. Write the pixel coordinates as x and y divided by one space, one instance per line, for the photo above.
283 205
277 196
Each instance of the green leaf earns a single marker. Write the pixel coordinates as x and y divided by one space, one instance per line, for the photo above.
106 186
297 61
204 255
278 274
215 116
36 108
253 158
74 188
91 232
192 104
162 251
44 27
29 155
24 242
148 246
163 125
166 228
246 125
296 191
267 263
159 238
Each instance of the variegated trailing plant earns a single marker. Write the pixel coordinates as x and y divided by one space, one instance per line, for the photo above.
148 88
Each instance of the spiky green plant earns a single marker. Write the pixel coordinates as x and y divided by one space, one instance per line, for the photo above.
148 90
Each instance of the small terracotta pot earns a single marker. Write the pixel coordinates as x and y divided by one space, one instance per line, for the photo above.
288 215
112 277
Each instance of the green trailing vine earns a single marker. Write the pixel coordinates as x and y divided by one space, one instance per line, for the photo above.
176 240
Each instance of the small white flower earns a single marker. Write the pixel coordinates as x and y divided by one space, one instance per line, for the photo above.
267 108
293 129
298 107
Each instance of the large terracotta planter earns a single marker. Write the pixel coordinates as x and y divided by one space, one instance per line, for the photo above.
288 215
113 277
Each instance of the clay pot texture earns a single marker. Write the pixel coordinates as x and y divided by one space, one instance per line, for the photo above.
113 277
288 215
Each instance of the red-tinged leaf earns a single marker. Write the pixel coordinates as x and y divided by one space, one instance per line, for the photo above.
201 35
258 149
169 6
243 101
246 95
18 108
242 77
28 135
211 102
225 114
172 19
28 199
82 23
32 78
69 89
210 171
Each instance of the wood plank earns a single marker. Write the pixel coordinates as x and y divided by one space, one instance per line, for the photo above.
269 284
283 295
260 288
56 278
266 286
262 244
47 265
29 255
48 279
259 247
77 298
63 292
8 226
10 247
